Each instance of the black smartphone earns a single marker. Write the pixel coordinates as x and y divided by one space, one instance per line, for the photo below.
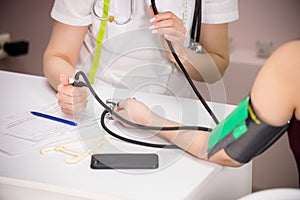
124 161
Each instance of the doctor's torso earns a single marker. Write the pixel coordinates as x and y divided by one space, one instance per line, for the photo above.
131 55
141 13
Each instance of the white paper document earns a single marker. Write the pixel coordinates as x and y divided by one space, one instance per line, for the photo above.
22 131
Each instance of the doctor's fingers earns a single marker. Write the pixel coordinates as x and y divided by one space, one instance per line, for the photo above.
175 38
71 99
178 45
151 11
70 90
171 35
70 108
168 20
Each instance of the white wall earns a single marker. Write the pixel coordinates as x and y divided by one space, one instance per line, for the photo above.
266 20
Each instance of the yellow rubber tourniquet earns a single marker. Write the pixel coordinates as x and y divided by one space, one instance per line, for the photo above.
99 41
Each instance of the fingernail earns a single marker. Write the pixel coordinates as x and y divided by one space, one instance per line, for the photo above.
154 31
151 27
166 36
152 19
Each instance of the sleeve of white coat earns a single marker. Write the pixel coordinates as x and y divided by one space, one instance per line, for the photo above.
72 12
219 11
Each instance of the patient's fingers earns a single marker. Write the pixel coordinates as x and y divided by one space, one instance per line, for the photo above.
124 104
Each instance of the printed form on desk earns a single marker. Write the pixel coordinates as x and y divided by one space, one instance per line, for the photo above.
23 131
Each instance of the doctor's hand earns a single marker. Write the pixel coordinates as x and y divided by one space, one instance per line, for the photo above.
170 27
134 111
71 99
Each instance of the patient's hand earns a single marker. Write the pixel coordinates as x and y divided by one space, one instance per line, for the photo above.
134 111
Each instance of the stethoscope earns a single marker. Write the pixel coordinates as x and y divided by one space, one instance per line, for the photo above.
109 108
196 25
112 18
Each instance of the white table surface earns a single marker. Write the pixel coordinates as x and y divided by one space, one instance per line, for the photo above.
48 177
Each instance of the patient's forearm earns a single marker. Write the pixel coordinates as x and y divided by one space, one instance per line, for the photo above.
192 141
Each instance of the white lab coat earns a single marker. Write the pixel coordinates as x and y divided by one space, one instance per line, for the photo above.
131 56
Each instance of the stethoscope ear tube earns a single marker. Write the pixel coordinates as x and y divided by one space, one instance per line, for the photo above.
184 70
197 20
112 112
153 5
102 120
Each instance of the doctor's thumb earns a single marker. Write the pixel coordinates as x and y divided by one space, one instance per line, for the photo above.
151 11
64 79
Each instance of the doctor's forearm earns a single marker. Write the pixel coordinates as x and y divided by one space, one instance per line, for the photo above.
55 66
208 67
62 52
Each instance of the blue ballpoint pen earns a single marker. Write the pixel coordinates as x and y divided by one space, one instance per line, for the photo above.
54 118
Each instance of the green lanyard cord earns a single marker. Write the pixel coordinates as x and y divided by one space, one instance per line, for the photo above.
99 41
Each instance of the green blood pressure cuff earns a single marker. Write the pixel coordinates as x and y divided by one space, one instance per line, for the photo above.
243 135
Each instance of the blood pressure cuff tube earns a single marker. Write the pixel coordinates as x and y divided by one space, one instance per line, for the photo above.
243 135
